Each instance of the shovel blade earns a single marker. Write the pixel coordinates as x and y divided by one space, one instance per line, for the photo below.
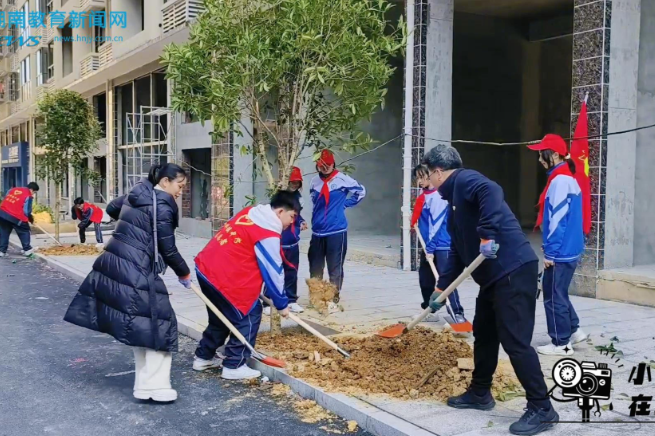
462 327
271 361
393 331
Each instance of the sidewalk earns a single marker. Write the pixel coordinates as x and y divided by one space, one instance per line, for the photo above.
375 296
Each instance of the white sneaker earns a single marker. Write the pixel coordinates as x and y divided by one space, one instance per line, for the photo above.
332 307
433 317
579 336
202 364
28 253
554 350
159 395
296 308
244 372
267 311
100 245
3 254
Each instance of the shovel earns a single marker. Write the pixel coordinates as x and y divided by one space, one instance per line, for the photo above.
47 234
459 327
310 329
270 361
399 329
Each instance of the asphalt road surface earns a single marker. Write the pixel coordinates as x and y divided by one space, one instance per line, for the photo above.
60 379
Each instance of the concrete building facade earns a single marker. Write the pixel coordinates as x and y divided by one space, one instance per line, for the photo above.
479 70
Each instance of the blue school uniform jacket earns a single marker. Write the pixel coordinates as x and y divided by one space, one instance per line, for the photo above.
291 235
433 222
329 215
563 237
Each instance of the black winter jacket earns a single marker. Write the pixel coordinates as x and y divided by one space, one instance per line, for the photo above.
122 296
478 211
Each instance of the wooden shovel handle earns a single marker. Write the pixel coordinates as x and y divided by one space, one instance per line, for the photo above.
309 328
430 260
458 281
222 317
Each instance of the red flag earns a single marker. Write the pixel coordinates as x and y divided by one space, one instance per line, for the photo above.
580 155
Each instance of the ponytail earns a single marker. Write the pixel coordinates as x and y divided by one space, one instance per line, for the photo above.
167 171
570 163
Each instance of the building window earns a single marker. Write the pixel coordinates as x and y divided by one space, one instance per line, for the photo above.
25 71
39 67
67 50
195 198
100 109
25 33
14 87
50 58
99 33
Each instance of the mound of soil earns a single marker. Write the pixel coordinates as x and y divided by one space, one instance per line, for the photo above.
320 294
70 250
378 365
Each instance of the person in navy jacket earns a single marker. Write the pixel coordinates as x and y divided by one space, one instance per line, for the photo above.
332 192
431 217
560 218
290 247
481 222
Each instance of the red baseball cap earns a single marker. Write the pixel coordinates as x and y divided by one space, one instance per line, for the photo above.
552 142
327 158
296 175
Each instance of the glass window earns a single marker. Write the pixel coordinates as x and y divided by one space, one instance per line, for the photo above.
125 95
25 71
39 67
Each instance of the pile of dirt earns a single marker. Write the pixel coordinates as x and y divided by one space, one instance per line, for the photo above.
42 218
394 367
320 294
71 250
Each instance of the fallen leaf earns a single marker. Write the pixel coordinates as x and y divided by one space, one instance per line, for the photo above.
352 426
605 407
490 424
615 339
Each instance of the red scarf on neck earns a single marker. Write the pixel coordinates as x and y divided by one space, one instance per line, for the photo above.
325 190
561 169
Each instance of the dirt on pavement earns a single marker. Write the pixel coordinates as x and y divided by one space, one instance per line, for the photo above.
392 367
70 250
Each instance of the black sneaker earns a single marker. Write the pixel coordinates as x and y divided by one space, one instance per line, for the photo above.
534 421
469 400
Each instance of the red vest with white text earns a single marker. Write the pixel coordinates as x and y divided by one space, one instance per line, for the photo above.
14 203
229 262
96 215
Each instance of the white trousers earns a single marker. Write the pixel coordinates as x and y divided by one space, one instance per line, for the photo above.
152 369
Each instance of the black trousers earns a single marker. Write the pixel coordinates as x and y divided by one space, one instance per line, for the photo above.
331 249
96 227
504 315
216 332
22 230
292 254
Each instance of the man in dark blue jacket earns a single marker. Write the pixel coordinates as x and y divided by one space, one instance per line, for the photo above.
482 222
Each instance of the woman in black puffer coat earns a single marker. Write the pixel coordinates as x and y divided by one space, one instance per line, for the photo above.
124 295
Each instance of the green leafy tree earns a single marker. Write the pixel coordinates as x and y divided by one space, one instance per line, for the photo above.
307 72
68 135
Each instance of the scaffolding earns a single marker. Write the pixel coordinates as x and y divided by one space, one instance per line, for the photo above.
150 140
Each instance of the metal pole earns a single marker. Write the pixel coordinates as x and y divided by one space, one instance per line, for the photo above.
407 145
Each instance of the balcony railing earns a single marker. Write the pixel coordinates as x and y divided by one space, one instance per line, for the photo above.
177 13
106 54
92 5
89 64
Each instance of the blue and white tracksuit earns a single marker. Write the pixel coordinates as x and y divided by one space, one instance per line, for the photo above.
290 240
433 225
563 244
329 241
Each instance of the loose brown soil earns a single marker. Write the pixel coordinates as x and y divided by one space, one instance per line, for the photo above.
392 367
320 294
70 250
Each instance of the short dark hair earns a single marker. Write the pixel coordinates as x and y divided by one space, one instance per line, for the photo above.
168 171
33 186
444 157
78 200
286 200
420 171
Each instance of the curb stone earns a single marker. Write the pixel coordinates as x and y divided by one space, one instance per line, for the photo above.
368 417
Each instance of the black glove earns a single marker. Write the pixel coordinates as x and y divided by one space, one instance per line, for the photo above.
31 219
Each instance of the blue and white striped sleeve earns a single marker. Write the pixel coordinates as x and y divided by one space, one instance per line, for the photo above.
357 191
557 208
270 265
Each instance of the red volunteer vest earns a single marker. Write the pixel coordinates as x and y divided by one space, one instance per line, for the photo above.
96 215
14 203
229 262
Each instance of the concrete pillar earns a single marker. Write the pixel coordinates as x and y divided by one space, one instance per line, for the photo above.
112 161
621 149
432 88
605 33
439 72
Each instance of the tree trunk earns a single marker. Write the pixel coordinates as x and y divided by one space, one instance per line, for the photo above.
276 322
57 208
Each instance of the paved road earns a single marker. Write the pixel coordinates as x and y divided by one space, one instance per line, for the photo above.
59 379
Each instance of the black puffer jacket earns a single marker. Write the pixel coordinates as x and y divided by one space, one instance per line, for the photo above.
122 296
